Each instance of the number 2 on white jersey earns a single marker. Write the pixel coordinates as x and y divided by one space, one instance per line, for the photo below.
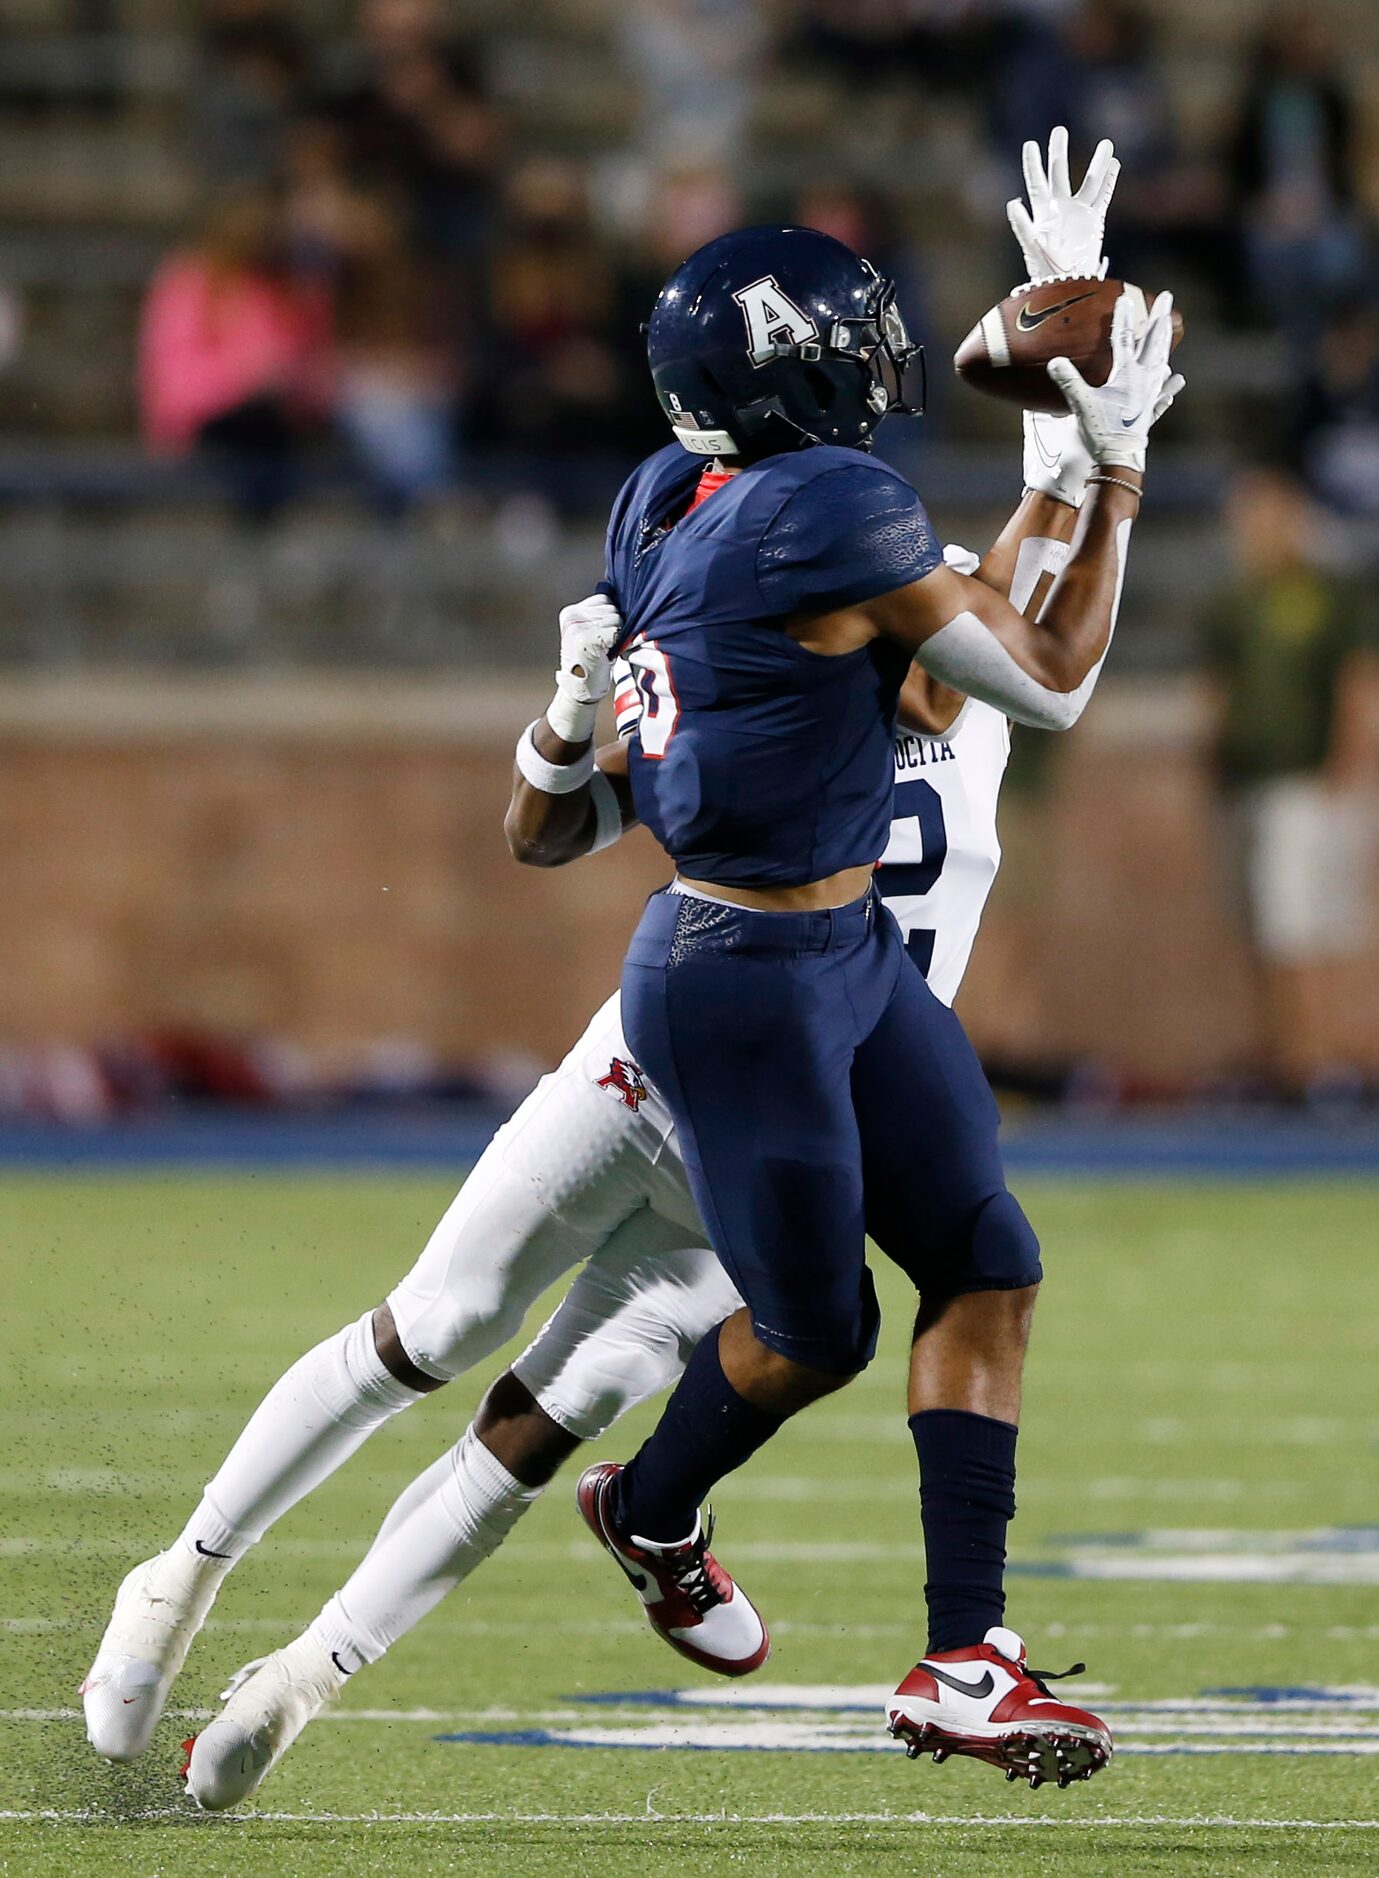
661 705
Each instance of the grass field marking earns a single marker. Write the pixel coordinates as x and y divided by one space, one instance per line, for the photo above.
1019 1821
334 1714
784 1627
834 1738
1318 1555
455 1626
791 1489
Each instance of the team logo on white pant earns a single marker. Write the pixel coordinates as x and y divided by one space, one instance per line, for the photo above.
625 1080
772 318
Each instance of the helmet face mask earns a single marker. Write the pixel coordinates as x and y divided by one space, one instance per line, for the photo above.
770 339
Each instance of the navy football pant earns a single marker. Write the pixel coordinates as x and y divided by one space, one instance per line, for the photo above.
821 1092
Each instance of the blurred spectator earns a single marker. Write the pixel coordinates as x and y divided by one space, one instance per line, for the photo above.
1292 169
395 401
681 208
422 126
1290 652
395 383
695 65
857 41
234 353
11 325
1338 441
553 392
1169 209
249 79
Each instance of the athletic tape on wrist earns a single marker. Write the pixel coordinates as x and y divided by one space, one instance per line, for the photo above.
571 718
607 812
1037 555
552 779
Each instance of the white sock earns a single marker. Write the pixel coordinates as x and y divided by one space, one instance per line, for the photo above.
309 1423
447 1522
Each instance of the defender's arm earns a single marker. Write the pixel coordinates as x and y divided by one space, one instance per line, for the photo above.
547 829
1030 550
566 801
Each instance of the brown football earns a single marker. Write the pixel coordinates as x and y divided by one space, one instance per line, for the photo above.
1006 352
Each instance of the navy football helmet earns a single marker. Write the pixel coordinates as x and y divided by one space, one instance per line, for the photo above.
772 338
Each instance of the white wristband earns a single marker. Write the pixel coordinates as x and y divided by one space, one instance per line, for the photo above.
552 779
607 812
571 718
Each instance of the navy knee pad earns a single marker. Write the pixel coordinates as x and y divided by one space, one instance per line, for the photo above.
1003 1253
844 1348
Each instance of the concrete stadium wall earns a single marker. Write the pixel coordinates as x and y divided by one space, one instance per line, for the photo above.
322 859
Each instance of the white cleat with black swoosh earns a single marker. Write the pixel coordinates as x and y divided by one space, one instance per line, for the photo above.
267 1705
158 1610
984 1701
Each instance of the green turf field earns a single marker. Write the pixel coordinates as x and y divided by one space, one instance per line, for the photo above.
1198 1514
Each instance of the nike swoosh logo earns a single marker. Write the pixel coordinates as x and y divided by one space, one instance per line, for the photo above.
1026 322
206 1551
1128 423
1050 459
974 1689
335 1658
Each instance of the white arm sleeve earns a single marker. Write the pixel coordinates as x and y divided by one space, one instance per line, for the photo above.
964 655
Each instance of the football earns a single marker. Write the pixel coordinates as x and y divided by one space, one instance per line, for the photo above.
1007 351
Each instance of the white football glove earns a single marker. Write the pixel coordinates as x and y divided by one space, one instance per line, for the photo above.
588 631
1062 237
1057 461
1115 418
1060 233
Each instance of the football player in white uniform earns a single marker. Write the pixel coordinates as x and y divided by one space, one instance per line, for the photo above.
586 1173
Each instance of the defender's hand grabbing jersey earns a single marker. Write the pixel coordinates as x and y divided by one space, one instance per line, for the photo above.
758 762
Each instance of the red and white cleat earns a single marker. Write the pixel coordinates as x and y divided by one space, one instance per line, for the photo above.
985 1702
690 1600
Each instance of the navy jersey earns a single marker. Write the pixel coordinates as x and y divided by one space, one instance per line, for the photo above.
757 762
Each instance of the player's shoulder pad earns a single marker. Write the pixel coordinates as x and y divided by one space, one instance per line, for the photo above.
651 475
846 527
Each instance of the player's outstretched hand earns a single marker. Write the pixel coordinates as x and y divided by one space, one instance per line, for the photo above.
1115 418
1060 234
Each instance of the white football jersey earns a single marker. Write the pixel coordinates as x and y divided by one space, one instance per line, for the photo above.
944 851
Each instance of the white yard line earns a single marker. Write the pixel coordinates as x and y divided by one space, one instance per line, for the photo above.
1051 1821
1262 1565
631 1626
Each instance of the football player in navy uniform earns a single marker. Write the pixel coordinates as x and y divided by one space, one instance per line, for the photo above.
771 609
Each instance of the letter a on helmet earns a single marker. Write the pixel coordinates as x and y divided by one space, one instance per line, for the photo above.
772 319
